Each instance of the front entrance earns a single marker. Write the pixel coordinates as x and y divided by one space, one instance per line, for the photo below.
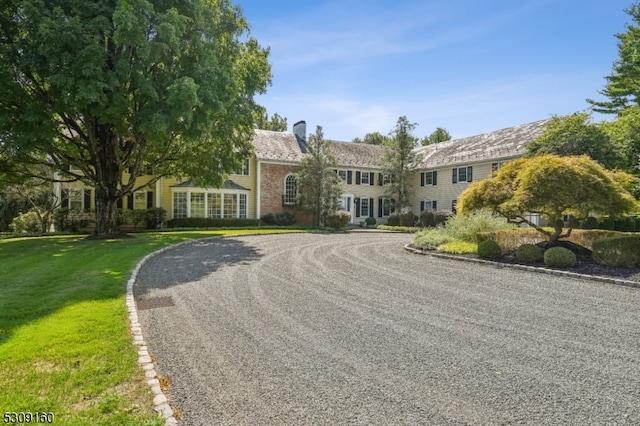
348 205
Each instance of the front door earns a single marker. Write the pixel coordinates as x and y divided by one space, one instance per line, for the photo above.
348 205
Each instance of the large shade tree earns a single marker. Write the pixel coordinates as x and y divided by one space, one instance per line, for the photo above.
101 91
551 186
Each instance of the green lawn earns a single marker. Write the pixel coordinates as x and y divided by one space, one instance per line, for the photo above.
65 343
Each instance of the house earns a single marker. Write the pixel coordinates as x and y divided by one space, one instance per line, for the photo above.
267 181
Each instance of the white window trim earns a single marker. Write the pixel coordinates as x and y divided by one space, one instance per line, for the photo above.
207 192
286 199
362 175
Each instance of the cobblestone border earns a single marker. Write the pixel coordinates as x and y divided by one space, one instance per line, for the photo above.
607 280
160 402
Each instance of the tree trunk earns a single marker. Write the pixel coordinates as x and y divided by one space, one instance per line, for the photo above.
106 213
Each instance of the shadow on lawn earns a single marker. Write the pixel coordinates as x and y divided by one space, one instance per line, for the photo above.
191 262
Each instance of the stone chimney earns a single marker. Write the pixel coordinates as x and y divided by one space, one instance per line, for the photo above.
300 130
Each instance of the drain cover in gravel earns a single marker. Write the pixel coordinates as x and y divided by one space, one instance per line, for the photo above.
155 302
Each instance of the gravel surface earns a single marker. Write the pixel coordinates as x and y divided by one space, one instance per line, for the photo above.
351 329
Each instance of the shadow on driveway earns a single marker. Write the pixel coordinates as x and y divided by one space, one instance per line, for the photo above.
191 262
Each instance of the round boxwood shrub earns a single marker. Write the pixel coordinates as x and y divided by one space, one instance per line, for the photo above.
370 221
529 253
559 257
489 249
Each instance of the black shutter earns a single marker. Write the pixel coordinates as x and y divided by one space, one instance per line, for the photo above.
371 207
130 201
434 179
119 203
87 200
357 203
379 179
349 177
149 199
422 179
372 178
357 178
469 174
421 205
434 204
454 176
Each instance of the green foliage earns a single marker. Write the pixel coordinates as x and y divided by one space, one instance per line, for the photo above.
111 87
624 133
551 186
319 185
575 135
430 239
458 247
279 219
275 123
370 221
622 89
489 249
26 223
202 222
374 138
617 251
398 162
529 253
433 218
467 227
559 257
401 217
439 135
338 219
156 218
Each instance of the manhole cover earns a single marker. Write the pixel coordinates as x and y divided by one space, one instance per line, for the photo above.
155 302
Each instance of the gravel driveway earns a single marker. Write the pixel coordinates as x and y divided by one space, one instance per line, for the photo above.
351 329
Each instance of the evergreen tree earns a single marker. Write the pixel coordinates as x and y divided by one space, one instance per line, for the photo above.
398 162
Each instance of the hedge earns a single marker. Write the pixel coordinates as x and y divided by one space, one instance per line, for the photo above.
201 222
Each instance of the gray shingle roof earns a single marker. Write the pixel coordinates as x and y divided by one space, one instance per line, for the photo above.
228 184
500 145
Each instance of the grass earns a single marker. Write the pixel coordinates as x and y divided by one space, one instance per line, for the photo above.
65 343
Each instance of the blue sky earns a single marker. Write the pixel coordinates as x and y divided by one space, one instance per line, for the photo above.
470 66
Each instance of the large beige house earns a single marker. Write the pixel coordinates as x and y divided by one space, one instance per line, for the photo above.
267 181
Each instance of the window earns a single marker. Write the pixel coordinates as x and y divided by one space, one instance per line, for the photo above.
290 190
230 205
242 205
364 178
197 204
140 200
385 206
495 166
462 174
244 169
75 198
428 205
342 175
364 207
386 178
214 205
428 178
179 204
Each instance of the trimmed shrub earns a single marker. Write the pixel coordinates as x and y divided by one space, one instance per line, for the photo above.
617 251
433 218
370 221
625 224
488 249
529 253
156 218
559 257
338 219
590 223
393 219
279 219
201 222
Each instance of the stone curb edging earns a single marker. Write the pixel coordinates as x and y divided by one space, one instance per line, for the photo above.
607 280
160 402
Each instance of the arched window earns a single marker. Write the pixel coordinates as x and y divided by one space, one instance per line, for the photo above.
290 190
